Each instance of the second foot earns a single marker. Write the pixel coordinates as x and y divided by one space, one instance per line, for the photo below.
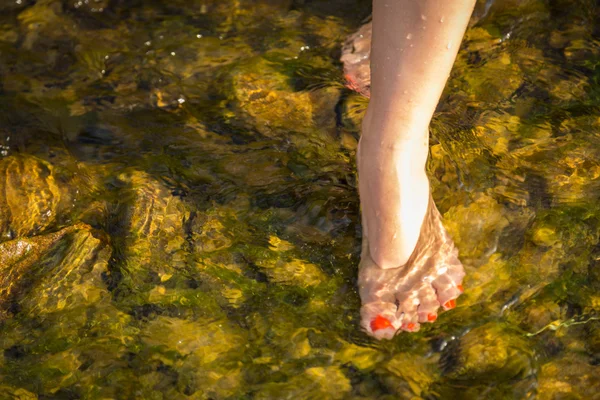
400 299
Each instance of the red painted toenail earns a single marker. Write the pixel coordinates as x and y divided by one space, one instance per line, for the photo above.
380 323
450 304
431 317
409 326
460 287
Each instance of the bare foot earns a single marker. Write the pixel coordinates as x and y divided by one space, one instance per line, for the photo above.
401 298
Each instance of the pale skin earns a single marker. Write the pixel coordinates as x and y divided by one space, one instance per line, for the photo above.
414 45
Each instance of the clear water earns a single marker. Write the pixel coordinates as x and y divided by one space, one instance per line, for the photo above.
179 215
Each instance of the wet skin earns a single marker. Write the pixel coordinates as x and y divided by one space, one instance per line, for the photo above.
409 265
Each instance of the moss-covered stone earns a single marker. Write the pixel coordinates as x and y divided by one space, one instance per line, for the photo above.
569 377
262 93
31 199
17 393
489 81
363 358
149 233
316 382
70 276
52 272
489 353
408 376
205 355
282 265
476 228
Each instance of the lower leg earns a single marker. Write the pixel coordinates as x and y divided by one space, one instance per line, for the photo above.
414 46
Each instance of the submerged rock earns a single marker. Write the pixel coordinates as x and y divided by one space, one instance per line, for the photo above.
476 228
569 377
17 393
484 70
52 272
204 355
314 383
59 329
264 96
31 198
282 266
149 233
489 353
70 276
409 376
209 234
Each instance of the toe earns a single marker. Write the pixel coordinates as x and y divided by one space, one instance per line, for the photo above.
409 319
410 326
448 284
378 319
408 306
449 305
429 304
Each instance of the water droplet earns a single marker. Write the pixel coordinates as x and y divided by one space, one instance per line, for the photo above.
199 36
411 45
423 17
441 19
449 45
172 53
409 36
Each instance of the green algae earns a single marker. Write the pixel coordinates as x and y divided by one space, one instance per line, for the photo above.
179 214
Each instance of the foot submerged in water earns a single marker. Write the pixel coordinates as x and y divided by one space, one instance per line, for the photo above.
400 299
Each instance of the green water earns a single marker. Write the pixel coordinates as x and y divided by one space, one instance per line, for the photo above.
179 217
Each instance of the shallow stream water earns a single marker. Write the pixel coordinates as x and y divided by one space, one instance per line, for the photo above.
179 216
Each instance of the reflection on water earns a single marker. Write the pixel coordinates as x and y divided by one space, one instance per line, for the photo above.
179 216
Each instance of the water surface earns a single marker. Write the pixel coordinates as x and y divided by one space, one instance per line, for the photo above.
179 214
